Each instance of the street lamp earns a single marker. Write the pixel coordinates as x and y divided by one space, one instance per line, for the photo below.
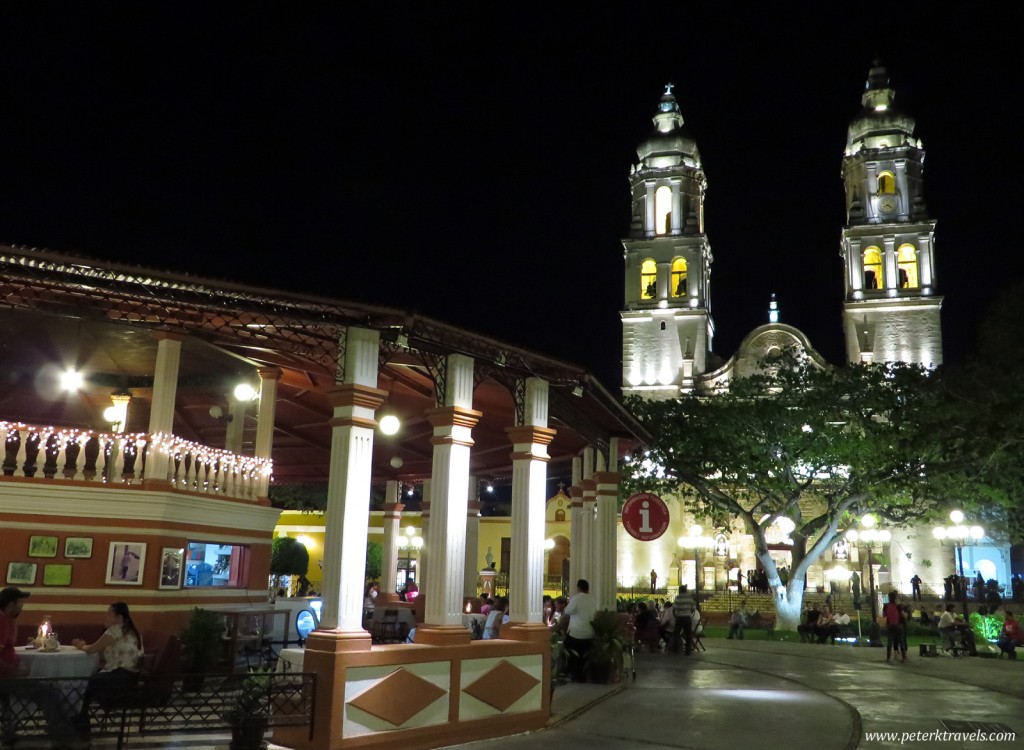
959 536
871 539
697 541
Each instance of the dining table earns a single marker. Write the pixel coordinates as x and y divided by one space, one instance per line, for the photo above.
65 661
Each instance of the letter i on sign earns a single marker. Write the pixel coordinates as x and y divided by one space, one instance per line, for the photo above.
645 514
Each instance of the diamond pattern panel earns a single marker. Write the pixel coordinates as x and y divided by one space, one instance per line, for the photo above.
502 686
398 697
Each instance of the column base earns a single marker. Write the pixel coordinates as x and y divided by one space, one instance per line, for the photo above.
338 641
532 632
442 635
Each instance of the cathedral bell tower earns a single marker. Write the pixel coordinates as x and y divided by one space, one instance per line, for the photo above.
891 311
666 324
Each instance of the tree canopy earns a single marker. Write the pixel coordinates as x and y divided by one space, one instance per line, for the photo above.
818 446
288 557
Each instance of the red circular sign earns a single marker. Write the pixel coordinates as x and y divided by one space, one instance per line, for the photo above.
645 516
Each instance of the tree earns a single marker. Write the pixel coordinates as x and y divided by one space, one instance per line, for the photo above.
374 561
816 445
288 557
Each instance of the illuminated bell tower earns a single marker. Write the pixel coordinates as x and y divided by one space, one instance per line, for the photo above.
666 324
891 311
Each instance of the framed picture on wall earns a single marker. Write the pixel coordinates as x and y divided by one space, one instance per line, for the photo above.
78 547
171 567
57 575
42 546
125 563
21 573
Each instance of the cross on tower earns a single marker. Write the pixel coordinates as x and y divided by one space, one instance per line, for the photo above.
668 88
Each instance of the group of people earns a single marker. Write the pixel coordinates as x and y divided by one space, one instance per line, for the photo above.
817 625
120 651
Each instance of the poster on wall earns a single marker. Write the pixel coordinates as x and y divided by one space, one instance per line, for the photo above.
42 546
125 563
57 575
171 567
78 547
21 573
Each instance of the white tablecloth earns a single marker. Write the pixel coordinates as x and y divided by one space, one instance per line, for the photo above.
67 662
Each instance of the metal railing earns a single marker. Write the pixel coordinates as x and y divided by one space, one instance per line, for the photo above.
160 704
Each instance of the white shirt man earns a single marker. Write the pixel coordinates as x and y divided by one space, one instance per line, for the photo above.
580 610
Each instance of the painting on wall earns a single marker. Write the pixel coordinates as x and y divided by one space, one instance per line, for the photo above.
21 573
171 567
42 546
78 547
125 563
57 575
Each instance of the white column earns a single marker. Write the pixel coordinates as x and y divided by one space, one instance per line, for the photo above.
161 414
649 219
587 516
449 492
892 278
392 523
901 189
925 269
607 531
236 424
677 207
470 568
355 403
422 555
664 286
575 523
529 485
265 422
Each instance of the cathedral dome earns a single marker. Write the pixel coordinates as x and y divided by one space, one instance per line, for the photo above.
879 125
670 145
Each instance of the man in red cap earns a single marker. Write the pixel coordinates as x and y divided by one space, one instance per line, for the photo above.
44 696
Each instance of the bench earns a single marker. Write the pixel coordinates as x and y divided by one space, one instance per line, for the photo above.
757 621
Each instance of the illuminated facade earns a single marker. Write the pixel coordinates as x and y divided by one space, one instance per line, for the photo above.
891 310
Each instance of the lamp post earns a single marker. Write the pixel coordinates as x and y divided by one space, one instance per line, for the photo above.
696 541
959 536
869 538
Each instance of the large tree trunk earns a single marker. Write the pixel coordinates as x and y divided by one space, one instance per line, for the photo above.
788 598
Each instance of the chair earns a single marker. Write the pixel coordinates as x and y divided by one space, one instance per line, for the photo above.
388 629
697 637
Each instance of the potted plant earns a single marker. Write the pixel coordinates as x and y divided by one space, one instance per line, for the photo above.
249 713
604 660
201 641
288 557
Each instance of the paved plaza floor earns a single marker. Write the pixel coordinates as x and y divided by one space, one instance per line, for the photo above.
766 695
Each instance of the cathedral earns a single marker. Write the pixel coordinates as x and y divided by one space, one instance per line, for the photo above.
891 305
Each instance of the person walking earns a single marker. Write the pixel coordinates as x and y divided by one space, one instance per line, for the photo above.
894 624
682 610
580 610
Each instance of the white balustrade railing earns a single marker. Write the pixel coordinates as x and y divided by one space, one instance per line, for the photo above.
119 458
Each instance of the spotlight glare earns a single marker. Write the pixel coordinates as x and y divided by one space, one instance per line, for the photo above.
71 380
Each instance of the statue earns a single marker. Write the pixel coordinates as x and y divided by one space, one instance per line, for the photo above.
489 557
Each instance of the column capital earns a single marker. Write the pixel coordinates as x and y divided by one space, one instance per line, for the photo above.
589 486
168 336
473 508
393 510
606 477
353 394
531 434
269 373
575 491
453 416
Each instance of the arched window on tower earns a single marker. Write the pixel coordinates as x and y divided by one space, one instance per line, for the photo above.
663 210
886 184
873 278
906 262
679 288
560 514
648 279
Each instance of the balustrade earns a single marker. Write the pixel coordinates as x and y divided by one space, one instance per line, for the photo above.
91 457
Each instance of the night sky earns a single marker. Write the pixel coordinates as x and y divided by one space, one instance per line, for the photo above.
473 166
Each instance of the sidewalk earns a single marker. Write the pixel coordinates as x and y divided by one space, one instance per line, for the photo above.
767 694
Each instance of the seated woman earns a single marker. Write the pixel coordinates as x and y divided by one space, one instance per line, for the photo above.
120 650
495 618
1011 636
